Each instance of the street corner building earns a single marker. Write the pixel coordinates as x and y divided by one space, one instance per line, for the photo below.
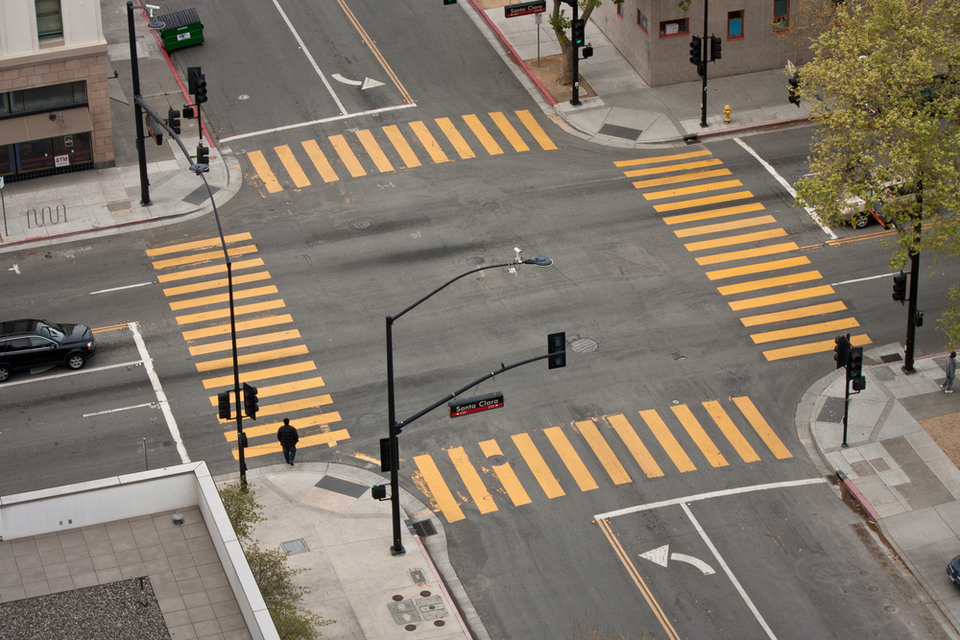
54 98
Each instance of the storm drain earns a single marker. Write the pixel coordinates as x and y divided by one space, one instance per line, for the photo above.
893 357
424 528
295 546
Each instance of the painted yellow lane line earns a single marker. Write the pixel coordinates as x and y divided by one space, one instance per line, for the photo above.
410 159
197 244
780 298
713 213
349 160
113 327
812 347
684 166
732 256
733 435
570 458
206 271
373 149
759 267
794 314
686 177
728 241
769 283
237 311
371 44
633 443
290 163
459 144
251 341
438 489
604 453
504 472
241 294
508 131
804 331
485 138
670 158
471 479
270 429
203 257
700 202
303 404
246 325
700 188
429 143
261 374
281 389
253 358
215 284
750 412
720 227
536 464
263 171
699 436
536 131
329 439
320 162
667 441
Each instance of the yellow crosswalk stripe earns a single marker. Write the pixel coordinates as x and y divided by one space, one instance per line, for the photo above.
198 244
504 472
760 425
700 188
290 163
373 150
270 428
684 166
246 325
713 213
732 256
347 157
331 438
241 294
769 283
187 274
699 436
636 447
780 298
290 406
759 267
537 465
281 389
685 177
251 341
667 441
733 435
794 314
429 143
670 158
604 453
536 131
400 143
459 144
253 358
729 241
570 458
263 170
508 131
261 374
446 503
240 310
471 479
485 138
700 202
215 284
804 331
720 227
320 162
812 347
203 257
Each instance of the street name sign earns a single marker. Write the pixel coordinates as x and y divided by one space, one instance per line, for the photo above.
476 404
522 9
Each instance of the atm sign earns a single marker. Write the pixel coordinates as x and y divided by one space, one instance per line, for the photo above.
475 404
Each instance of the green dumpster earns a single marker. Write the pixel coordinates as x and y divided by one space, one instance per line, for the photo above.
181 29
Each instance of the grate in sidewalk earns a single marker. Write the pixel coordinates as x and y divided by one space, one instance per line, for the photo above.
893 357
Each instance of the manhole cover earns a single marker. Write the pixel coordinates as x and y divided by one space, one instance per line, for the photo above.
583 345
491 206
361 224
295 546
497 460
475 261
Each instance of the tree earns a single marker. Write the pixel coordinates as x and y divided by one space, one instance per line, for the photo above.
884 90
269 567
561 27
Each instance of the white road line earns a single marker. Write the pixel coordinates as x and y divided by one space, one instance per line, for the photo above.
71 373
129 286
726 569
786 185
158 389
300 125
882 275
136 406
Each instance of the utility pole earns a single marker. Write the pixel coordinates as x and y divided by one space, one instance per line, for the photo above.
703 64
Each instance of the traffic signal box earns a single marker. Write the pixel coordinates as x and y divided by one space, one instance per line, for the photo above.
696 50
900 287
841 351
251 404
715 47
203 155
173 120
578 33
556 347
794 88
223 402
855 368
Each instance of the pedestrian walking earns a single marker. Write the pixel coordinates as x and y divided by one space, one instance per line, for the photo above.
951 370
288 437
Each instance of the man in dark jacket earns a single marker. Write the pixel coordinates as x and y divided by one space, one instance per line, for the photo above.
288 437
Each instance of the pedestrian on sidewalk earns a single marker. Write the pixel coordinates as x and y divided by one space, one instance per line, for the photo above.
951 370
288 437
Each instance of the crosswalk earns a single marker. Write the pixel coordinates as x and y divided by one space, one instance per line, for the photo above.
392 148
270 351
612 450
774 290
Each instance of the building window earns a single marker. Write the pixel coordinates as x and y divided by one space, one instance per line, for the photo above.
735 25
40 99
781 15
49 20
642 21
673 27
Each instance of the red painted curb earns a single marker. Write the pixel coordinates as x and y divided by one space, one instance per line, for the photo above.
862 501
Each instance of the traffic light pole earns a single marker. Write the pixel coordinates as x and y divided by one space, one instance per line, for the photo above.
703 64
575 100
138 111
908 350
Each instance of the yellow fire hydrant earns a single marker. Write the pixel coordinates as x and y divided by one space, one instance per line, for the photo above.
726 114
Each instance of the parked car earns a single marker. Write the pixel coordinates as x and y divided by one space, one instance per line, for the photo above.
953 570
860 213
32 343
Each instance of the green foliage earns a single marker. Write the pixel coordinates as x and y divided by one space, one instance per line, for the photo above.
242 509
950 319
561 26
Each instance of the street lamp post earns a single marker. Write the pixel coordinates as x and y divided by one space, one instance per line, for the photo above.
395 428
138 111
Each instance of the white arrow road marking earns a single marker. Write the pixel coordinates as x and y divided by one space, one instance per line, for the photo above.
660 555
370 83
367 83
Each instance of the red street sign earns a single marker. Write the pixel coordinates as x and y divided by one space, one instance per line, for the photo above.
473 405
514 10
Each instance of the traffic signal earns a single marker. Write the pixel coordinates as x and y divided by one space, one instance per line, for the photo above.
715 45
556 347
855 356
577 30
173 120
250 402
192 74
696 51
794 88
587 51
188 112
446 2
203 155
840 351
154 129
918 318
200 96
223 400
900 287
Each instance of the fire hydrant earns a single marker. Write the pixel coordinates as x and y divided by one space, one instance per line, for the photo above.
726 114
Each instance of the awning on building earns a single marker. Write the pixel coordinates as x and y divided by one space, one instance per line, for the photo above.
39 125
